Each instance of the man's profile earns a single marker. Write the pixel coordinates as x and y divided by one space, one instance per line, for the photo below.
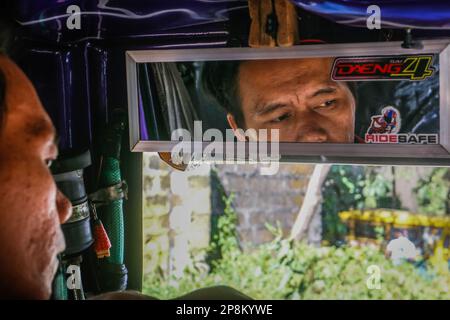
296 96
31 206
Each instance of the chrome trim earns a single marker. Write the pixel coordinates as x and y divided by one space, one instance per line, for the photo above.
79 212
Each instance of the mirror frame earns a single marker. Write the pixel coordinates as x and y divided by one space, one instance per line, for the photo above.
388 154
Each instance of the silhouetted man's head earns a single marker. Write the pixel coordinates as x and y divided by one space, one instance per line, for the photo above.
31 207
296 96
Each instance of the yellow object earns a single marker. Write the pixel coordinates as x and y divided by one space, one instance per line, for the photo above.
366 215
385 216
405 219
423 220
439 222
439 259
346 215
401 220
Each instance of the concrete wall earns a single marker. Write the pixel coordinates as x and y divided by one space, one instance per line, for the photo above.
263 199
178 208
177 212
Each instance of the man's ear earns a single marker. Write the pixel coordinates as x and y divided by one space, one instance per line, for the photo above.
234 126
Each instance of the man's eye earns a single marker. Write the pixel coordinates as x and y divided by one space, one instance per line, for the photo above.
281 118
327 104
49 162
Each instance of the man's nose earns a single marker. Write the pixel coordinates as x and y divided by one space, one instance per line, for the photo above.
313 135
64 207
309 128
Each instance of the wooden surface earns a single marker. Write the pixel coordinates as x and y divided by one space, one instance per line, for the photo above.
287 31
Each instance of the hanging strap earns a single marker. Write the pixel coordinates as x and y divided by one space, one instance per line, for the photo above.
109 194
274 23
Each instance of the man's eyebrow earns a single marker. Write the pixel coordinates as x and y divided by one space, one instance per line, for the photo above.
321 91
262 108
39 128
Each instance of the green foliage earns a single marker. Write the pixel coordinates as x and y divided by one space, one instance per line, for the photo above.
378 191
284 269
342 190
353 187
433 192
224 240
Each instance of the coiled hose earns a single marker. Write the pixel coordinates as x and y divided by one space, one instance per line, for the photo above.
112 214
113 272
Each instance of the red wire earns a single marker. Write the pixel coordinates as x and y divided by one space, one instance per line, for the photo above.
311 41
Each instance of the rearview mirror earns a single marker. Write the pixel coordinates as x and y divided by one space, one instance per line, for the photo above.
365 103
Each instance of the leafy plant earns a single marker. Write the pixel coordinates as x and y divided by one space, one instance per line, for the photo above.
342 190
353 187
433 192
284 269
379 191
225 239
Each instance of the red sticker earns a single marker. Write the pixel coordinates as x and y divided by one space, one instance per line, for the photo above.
414 68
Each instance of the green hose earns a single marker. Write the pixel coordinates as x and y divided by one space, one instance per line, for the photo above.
113 272
112 214
59 291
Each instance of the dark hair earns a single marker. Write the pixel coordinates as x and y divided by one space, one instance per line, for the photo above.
220 79
2 98
6 35
7 27
353 87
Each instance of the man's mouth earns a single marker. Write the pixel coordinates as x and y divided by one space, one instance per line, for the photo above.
61 242
54 265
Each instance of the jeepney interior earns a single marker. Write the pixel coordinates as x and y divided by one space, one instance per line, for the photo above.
334 218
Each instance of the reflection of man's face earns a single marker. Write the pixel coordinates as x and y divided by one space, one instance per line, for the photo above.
31 207
298 98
